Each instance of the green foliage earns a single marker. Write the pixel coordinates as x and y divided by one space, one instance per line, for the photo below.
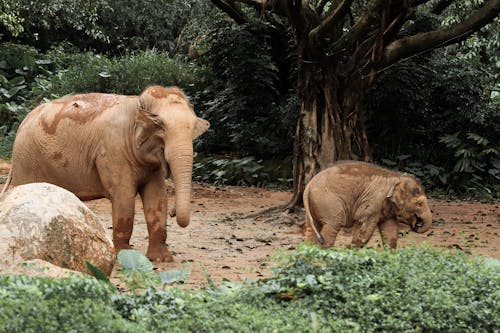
230 171
242 99
145 24
241 171
477 162
312 290
96 272
47 22
9 17
129 74
406 290
484 46
35 305
406 125
137 272
24 75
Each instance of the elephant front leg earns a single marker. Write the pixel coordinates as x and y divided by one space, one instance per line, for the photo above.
154 200
123 219
389 232
363 232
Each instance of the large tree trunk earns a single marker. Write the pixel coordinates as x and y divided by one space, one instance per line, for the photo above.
330 126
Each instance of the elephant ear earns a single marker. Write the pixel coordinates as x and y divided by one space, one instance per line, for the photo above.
396 195
147 124
201 127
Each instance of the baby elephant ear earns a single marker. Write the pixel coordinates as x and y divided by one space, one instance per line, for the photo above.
201 127
395 195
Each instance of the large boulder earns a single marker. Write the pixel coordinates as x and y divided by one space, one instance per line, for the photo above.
44 221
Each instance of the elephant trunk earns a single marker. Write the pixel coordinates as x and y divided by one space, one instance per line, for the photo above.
180 161
424 222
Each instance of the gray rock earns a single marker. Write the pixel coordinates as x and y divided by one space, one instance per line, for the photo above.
44 221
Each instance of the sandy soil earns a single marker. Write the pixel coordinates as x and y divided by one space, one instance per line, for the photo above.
229 239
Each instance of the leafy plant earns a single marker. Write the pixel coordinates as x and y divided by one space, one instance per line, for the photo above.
96 272
128 74
312 290
477 162
23 78
243 99
137 272
9 17
230 171
406 290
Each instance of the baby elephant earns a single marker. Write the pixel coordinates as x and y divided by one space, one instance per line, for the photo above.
363 196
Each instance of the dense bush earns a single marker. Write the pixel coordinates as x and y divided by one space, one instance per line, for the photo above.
313 290
413 129
35 305
408 290
130 74
24 81
242 171
242 99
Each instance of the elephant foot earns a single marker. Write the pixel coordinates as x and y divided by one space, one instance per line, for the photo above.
159 253
122 246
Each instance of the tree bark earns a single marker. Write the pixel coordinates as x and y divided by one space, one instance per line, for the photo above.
330 126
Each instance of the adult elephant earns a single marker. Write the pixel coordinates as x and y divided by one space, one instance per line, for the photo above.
114 146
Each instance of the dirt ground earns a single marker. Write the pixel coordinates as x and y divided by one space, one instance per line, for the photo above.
229 239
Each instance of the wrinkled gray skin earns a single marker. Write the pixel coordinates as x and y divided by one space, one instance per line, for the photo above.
114 146
365 197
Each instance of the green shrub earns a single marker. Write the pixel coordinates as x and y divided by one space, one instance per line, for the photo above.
242 171
250 114
24 80
312 290
408 126
408 290
68 305
128 75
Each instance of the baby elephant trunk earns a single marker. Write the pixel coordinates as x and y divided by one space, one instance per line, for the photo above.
423 222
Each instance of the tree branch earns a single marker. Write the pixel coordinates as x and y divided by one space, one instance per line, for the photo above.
361 27
230 10
331 20
408 46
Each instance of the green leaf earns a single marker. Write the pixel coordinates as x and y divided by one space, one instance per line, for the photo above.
491 262
173 275
104 74
388 162
210 281
134 261
96 272
17 81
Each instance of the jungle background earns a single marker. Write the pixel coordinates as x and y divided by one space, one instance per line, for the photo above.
435 114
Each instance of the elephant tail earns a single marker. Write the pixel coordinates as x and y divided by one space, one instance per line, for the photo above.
309 216
7 183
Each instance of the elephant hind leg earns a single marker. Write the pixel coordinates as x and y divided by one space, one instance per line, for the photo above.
310 234
330 231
